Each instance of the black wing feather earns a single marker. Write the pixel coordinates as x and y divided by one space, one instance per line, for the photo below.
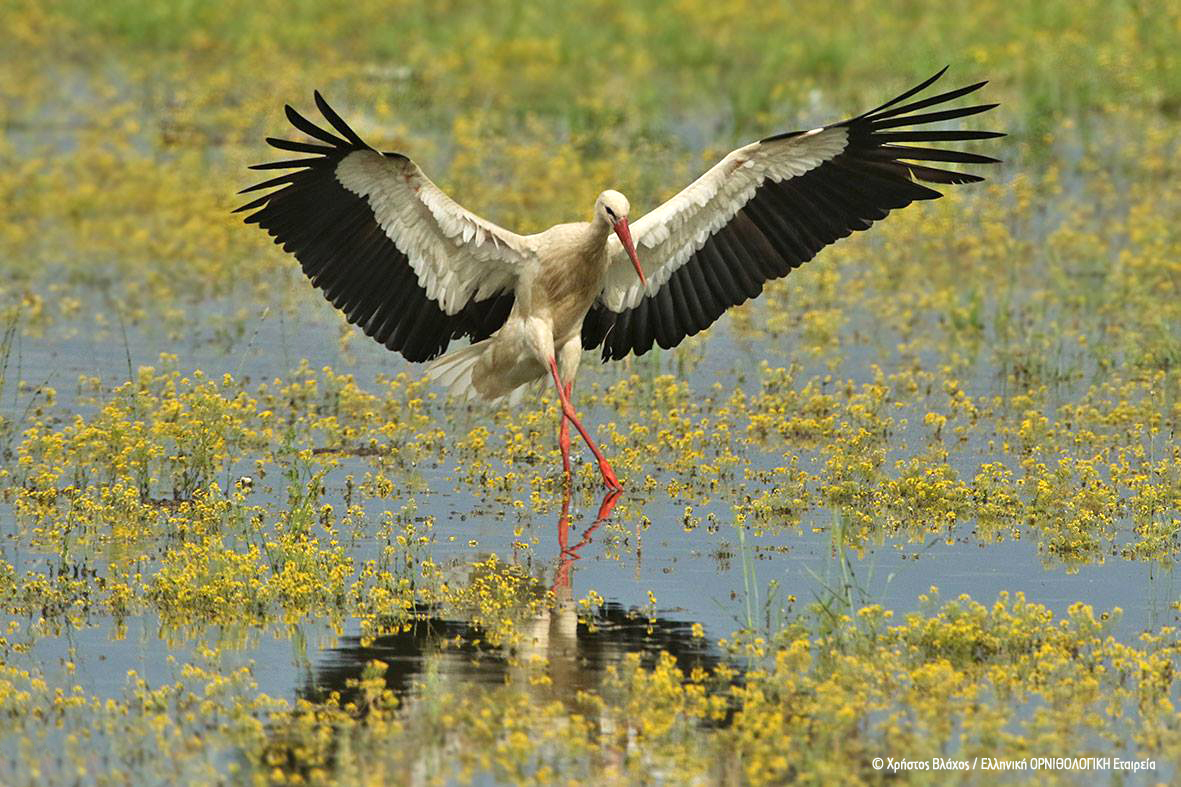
345 253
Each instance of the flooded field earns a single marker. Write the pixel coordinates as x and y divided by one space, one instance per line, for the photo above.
921 500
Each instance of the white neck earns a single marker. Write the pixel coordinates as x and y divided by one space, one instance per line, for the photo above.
600 221
599 227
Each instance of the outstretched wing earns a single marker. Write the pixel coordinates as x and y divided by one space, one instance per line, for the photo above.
764 210
386 246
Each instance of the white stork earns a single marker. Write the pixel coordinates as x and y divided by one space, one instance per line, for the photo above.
415 270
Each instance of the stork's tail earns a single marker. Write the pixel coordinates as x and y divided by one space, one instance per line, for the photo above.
455 370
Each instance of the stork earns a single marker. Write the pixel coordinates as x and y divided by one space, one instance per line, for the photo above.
416 271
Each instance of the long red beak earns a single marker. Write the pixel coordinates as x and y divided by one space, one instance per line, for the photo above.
625 237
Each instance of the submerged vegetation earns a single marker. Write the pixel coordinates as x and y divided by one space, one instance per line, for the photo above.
241 544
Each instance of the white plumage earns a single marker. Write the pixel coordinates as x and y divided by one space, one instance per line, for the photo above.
457 255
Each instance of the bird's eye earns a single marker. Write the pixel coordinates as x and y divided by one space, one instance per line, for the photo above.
611 213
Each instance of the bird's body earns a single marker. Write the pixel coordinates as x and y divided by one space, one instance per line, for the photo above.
573 261
415 270
551 300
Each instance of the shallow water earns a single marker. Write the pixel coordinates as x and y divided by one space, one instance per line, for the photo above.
696 576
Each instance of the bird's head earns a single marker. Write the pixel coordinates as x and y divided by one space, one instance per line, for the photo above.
612 207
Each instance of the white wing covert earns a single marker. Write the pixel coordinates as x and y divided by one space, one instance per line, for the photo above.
764 210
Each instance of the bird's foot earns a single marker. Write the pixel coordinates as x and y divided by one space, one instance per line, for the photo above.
609 477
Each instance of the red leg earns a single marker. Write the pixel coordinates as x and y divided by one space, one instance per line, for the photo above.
568 410
564 435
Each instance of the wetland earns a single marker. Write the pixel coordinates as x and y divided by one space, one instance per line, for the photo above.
921 499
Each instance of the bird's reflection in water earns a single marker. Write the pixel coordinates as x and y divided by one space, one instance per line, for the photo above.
573 653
